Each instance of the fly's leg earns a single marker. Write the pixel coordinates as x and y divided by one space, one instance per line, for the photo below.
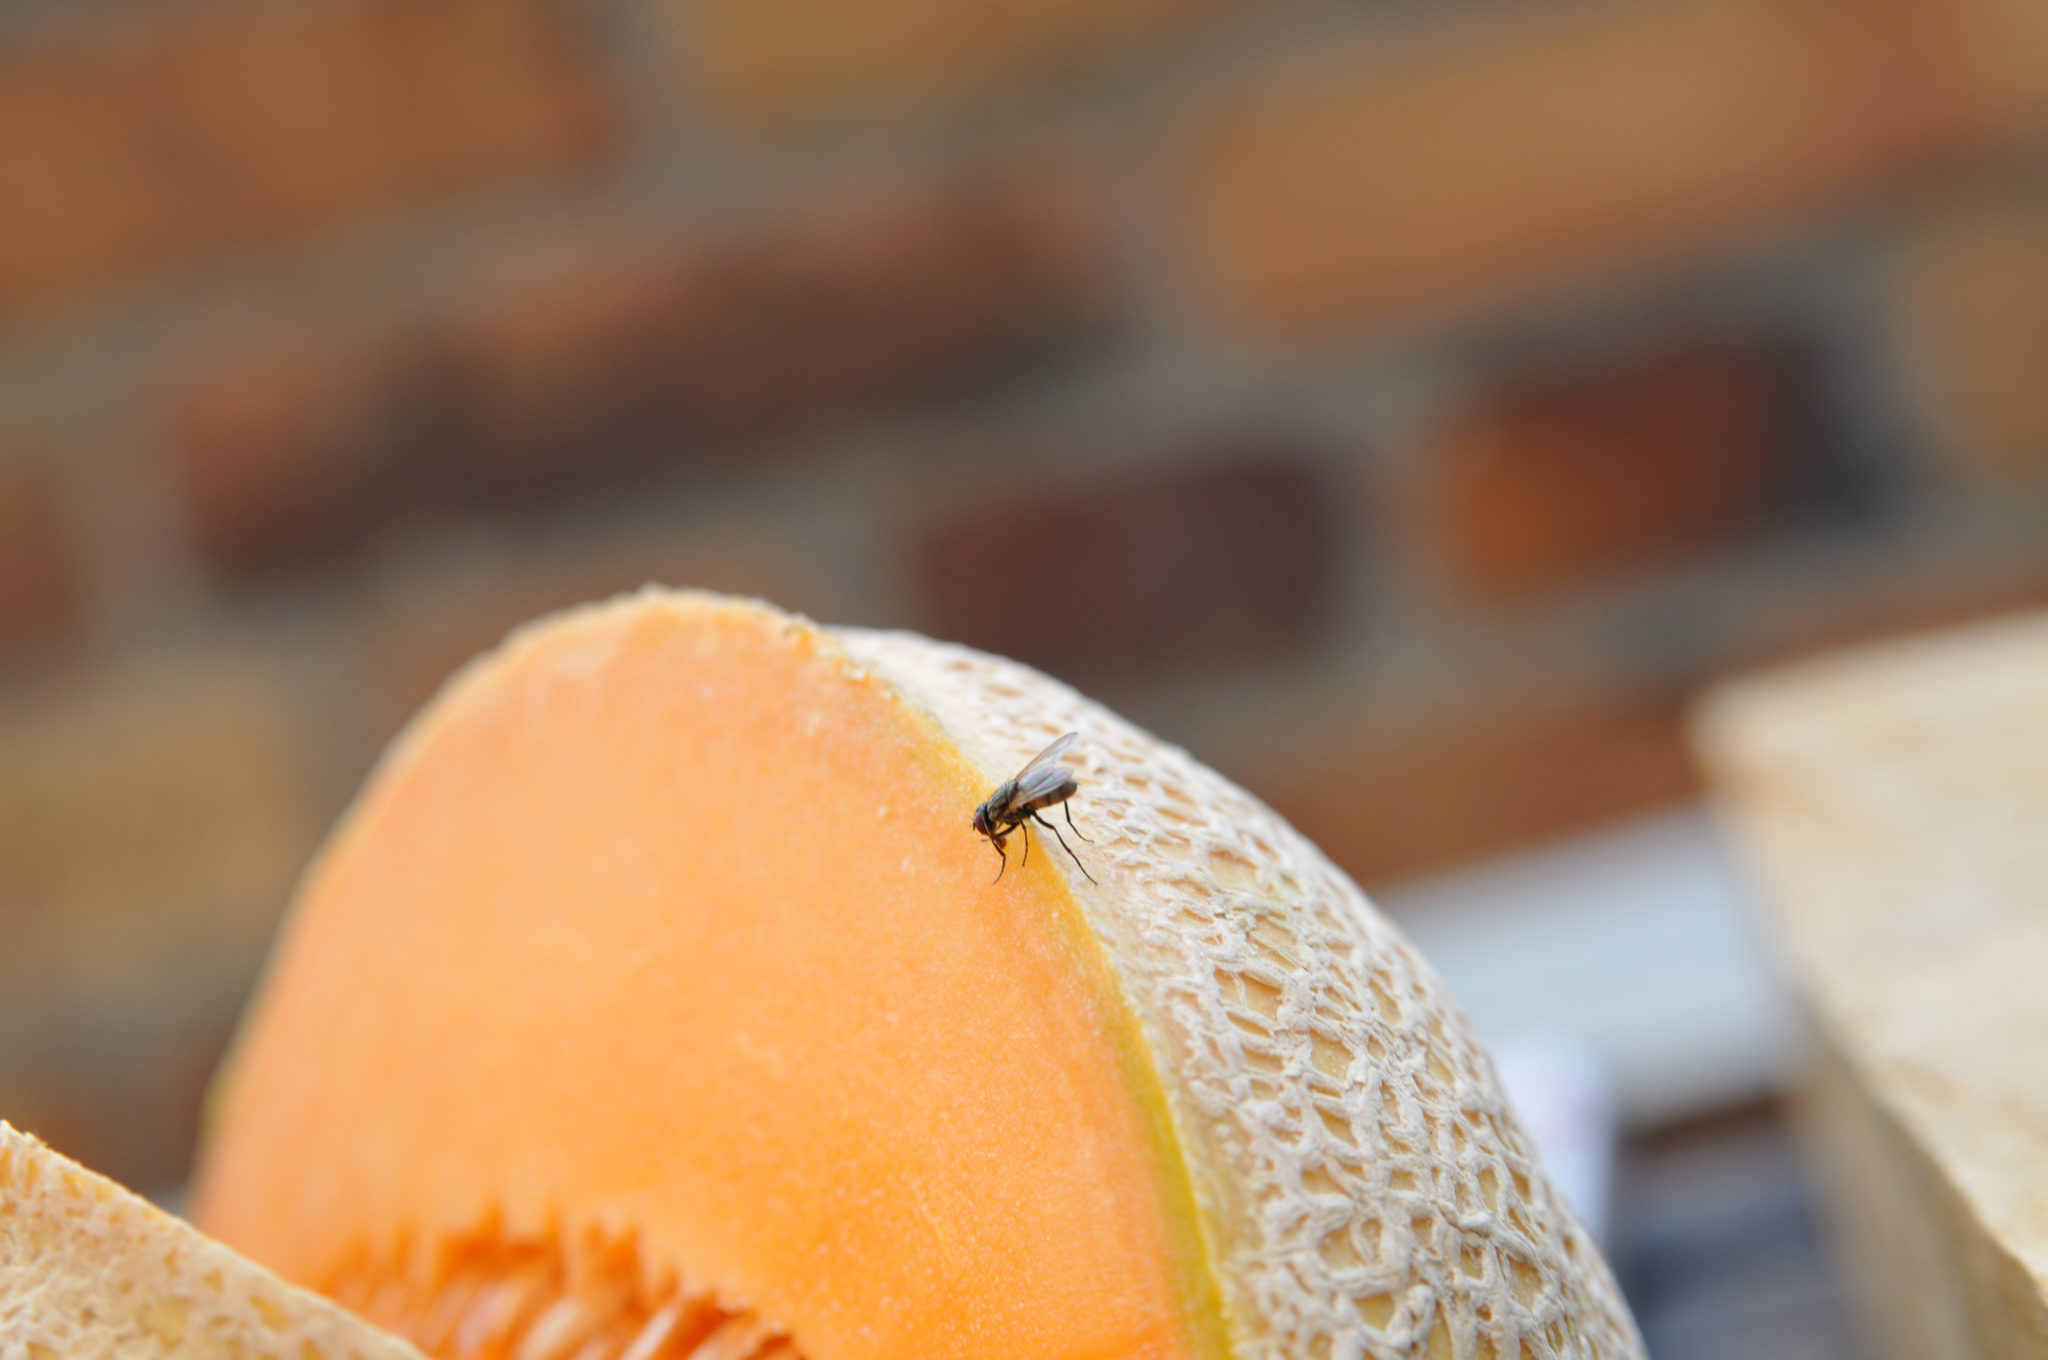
1064 846
1068 808
997 842
1027 841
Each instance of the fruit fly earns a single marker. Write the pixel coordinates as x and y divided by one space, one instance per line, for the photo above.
1014 806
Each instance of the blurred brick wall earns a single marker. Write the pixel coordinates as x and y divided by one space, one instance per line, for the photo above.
1405 407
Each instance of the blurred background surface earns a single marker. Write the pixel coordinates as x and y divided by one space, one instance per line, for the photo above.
1405 407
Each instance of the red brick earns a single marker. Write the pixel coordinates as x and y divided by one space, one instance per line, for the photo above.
548 369
1386 800
152 822
624 348
1190 566
1498 152
137 146
1970 305
773 63
283 443
824 306
38 585
1550 483
2006 46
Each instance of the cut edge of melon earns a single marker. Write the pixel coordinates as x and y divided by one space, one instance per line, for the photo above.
88 1267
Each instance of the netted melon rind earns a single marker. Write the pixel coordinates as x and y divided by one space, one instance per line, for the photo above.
1362 1186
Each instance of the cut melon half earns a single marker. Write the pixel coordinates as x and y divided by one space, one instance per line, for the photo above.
656 997
88 1268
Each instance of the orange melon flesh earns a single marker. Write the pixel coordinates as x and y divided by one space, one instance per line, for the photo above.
659 969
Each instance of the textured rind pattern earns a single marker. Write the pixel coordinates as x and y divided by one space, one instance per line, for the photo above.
1363 1188
90 1269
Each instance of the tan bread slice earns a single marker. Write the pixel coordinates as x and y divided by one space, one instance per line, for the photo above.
89 1269
1893 801
662 937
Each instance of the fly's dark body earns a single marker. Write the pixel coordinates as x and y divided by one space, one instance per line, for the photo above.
1016 804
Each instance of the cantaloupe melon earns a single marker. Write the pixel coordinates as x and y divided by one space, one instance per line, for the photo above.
658 995
89 1269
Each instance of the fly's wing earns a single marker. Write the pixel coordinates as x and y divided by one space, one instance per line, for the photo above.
1044 774
1040 782
1050 755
